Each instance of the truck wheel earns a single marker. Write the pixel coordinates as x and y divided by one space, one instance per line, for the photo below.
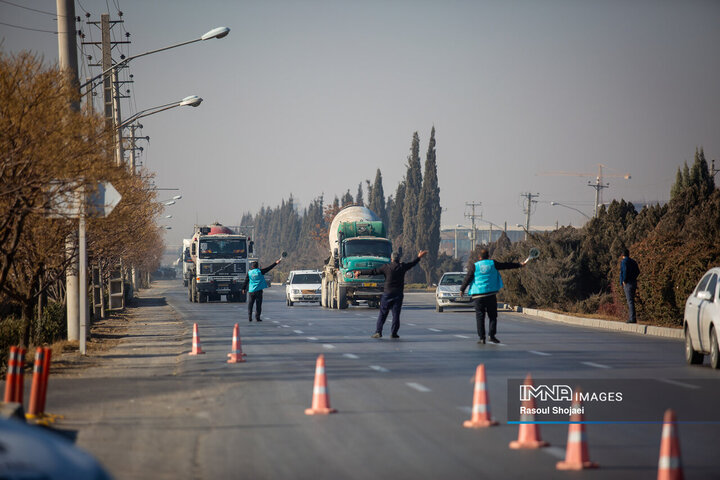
438 308
202 297
185 282
189 290
691 356
193 291
714 350
342 298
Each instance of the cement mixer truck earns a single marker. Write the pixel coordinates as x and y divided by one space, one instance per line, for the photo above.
219 263
357 241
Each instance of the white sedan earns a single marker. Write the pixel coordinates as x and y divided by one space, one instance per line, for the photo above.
302 286
447 293
702 320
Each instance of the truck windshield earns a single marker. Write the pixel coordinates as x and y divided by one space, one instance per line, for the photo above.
222 248
368 248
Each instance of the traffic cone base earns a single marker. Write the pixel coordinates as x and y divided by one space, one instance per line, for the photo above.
528 444
319 411
479 423
575 466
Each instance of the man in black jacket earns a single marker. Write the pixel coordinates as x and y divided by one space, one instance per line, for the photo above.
392 297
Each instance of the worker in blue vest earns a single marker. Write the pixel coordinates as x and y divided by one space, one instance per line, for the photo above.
255 284
485 281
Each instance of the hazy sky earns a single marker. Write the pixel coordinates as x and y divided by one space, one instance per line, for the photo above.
312 97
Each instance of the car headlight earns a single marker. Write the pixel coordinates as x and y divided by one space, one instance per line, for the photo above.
296 292
349 274
202 279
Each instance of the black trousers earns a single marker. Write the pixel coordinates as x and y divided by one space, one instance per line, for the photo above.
390 301
485 305
255 298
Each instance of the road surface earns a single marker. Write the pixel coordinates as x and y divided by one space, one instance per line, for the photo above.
152 411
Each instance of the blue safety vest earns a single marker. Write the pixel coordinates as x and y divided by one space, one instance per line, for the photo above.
257 280
487 278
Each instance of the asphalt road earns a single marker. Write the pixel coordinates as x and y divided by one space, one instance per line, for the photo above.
152 411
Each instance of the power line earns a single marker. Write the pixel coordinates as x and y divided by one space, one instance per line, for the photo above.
28 28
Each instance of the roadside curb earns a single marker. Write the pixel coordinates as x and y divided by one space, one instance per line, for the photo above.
674 333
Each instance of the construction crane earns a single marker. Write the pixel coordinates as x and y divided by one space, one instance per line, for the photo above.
598 185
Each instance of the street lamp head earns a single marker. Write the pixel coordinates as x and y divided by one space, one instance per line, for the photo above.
218 32
192 100
177 197
171 202
553 204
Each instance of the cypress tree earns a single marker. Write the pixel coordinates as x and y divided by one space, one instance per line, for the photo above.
359 197
429 212
376 199
347 199
413 184
395 214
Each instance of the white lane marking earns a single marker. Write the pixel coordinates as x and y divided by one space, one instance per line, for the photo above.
286 326
462 336
596 365
275 321
359 314
328 346
434 330
543 354
412 324
298 331
556 452
418 387
679 384
350 355
378 368
311 338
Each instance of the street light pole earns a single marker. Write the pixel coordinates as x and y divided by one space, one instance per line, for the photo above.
556 204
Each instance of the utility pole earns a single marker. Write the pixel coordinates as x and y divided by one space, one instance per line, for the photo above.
67 61
472 217
528 210
598 186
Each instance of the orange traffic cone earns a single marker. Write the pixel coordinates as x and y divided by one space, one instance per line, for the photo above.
670 463
36 390
19 376
11 373
576 455
321 397
529 433
46 374
196 349
481 403
236 355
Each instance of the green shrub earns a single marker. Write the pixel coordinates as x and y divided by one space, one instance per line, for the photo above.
52 325
10 334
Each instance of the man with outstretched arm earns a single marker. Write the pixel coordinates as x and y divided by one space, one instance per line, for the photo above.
392 297
485 281
255 284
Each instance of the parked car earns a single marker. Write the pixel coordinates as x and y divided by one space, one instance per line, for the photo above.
303 286
447 293
702 320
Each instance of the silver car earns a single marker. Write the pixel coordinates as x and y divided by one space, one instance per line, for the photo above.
447 293
702 320
302 286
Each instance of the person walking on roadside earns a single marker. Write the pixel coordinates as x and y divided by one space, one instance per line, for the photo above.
629 272
485 281
392 297
255 284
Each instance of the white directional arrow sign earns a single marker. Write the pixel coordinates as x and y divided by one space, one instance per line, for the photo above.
103 200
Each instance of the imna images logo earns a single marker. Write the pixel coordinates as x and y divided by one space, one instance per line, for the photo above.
556 393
